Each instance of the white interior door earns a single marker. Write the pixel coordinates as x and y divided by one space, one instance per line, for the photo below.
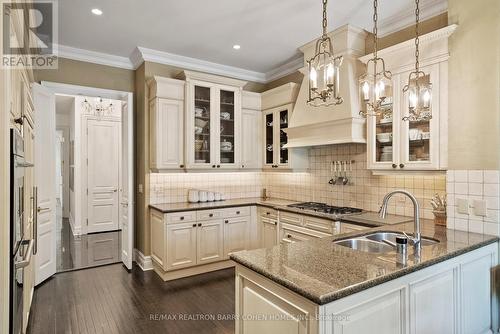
45 179
127 191
103 175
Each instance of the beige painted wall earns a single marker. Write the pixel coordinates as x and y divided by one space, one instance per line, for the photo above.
88 74
474 86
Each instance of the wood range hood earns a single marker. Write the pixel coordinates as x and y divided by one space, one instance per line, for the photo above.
339 124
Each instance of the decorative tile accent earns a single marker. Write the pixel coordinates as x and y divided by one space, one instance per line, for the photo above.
474 186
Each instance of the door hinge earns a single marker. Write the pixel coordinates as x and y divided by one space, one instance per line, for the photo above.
87 191
87 222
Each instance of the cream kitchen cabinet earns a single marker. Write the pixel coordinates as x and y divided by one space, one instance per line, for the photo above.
213 121
268 227
181 246
194 242
210 241
395 143
277 105
236 235
166 114
251 131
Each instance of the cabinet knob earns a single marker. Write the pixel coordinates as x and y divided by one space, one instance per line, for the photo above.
401 166
181 166
181 218
237 212
242 166
211 215
213 166
268 213
226 221
199 225
394 166
218 166
194 225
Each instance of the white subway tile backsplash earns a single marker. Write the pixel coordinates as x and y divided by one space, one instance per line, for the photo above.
476 226
461 176
476 189
475 176
491 228
461 224
491 189
461 188
491 176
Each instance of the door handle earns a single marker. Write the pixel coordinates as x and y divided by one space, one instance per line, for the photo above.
27 258
35 219
39 209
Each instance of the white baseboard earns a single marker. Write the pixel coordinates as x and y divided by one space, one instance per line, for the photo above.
144 262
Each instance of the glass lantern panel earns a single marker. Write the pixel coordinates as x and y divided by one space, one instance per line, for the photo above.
419 136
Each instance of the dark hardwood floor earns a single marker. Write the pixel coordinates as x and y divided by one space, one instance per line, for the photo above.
108 299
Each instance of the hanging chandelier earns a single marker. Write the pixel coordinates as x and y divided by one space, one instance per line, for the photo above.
375 88
99 109
323 68
419 87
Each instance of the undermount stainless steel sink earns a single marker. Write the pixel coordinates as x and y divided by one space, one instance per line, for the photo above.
378 242
390 238
365 245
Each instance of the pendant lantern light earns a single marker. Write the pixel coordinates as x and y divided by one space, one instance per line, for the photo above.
323 69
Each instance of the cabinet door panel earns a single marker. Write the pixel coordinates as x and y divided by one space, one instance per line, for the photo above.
476 295
420 138
269 148
228 128
235 235
433 304
201 126
158 238
181 246
210 242
166 133
382 315
251 139
269 233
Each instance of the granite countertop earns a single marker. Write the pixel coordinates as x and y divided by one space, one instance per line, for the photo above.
365 218
323 272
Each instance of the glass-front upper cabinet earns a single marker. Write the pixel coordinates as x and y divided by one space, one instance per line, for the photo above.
276 120
382 128
396 142
213 126
202 134
420 137
229 134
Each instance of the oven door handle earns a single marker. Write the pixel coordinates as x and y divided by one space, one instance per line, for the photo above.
27 259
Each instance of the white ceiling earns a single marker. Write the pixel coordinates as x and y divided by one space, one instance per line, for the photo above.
268 31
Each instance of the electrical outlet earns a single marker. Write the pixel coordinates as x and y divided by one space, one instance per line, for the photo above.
462 206
479 208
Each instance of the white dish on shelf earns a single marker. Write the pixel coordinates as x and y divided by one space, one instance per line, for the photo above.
200 161
385 137
200 122
385 120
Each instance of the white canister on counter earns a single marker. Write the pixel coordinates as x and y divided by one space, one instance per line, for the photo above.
203 196
193 196
210 196
217 196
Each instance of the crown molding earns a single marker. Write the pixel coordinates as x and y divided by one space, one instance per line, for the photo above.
288 68
406 18
199 65
69 52
408 44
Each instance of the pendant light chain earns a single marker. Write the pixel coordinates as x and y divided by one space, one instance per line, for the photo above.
417 41
375 28
325 19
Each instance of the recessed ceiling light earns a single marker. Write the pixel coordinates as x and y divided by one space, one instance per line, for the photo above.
96 11
236 46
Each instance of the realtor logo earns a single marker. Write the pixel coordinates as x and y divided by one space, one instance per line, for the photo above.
29 34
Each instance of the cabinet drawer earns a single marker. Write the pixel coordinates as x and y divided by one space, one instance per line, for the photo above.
236 212
209 214
291 218
181 217
318 224
268 213
347 228
290 233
